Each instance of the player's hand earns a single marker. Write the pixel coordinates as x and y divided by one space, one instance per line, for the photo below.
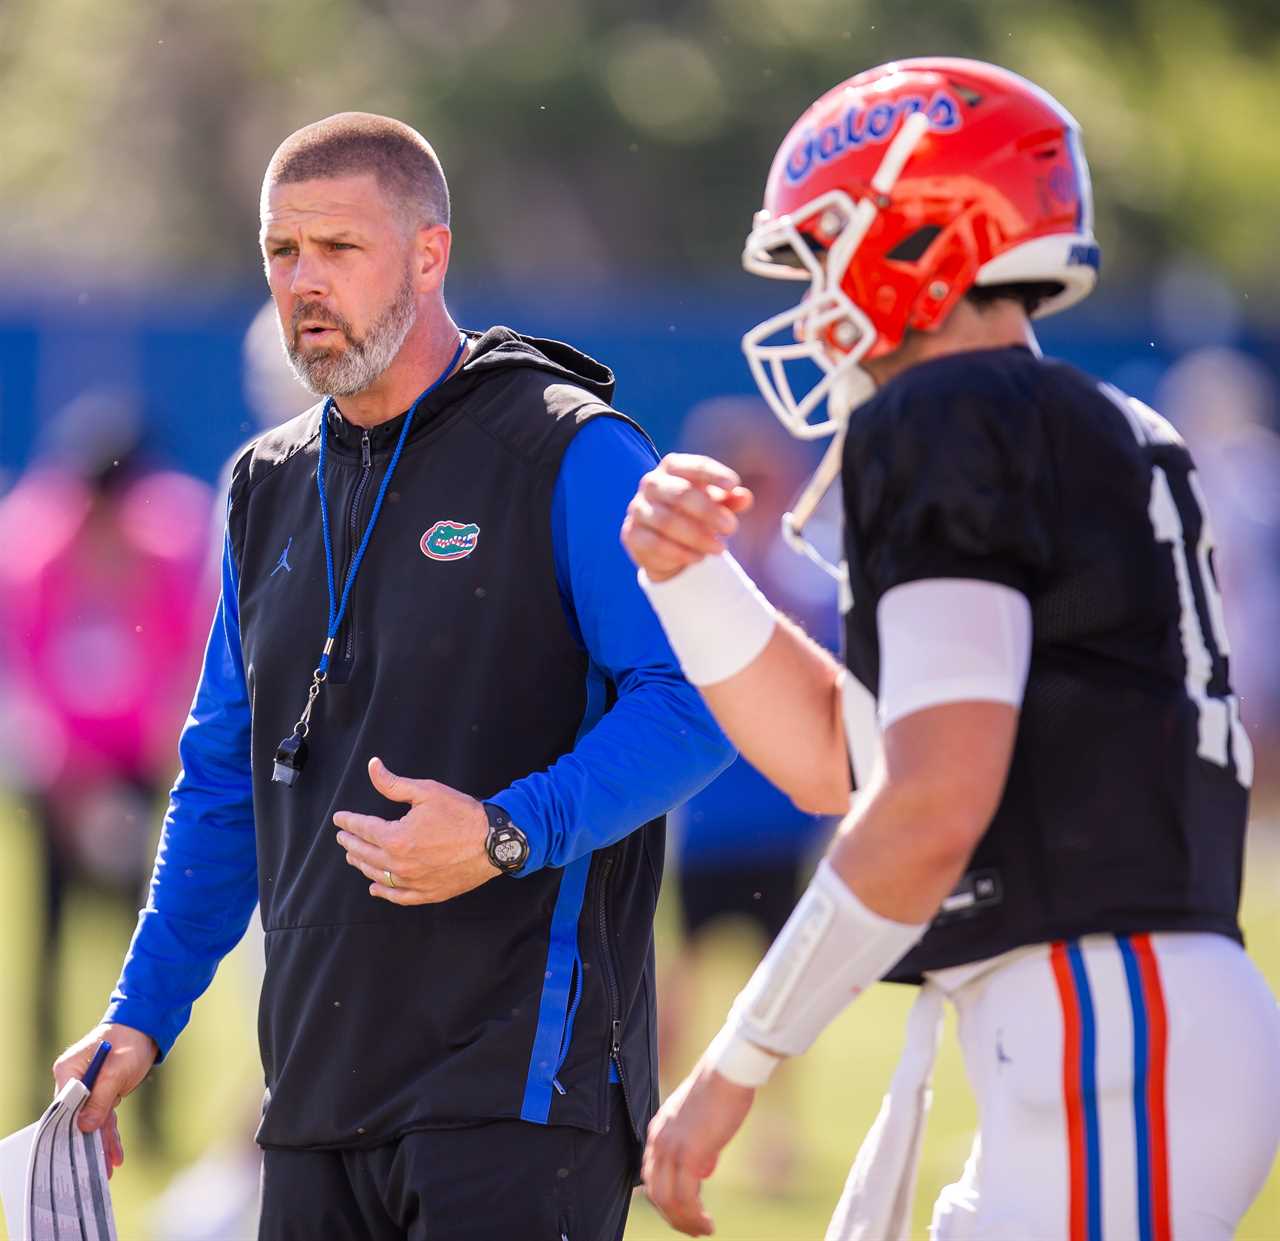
685 1140
130 1059
434 852
685 509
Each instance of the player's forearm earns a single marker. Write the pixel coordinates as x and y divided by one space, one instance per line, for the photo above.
899 853
775 692
910 834
893 857
797 739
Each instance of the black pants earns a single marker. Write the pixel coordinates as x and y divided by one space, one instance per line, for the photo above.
503 1181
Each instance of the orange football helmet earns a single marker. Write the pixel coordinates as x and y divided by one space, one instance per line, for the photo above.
894 194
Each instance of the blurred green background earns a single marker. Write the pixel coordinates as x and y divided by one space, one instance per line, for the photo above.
605 159
600 138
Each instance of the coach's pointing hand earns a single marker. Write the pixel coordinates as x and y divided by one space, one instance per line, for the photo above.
436 851
684 510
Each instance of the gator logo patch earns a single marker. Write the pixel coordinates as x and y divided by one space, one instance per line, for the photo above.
450 540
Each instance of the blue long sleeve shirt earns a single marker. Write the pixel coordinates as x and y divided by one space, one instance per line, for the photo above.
653 748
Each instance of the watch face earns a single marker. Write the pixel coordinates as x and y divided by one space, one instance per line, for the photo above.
505 852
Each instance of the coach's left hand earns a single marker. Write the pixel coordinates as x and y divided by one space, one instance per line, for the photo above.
436 851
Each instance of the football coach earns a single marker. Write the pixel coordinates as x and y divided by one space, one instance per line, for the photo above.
435 735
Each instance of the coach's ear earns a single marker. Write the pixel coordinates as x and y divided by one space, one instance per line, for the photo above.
432 248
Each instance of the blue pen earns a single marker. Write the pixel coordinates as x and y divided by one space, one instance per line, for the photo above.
99 1057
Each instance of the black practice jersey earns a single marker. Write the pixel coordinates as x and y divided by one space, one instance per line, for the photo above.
1125 805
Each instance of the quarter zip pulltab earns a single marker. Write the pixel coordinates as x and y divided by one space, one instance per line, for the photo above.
366 457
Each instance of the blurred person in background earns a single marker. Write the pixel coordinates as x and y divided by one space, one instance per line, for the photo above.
1035 703
456 1020
102 610
741 847
1226 404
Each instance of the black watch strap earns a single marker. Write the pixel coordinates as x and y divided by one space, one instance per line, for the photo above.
506 845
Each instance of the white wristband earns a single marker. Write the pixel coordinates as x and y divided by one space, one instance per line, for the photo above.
716 619
832 948
739 1059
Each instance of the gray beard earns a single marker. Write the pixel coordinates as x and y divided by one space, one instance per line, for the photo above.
344 372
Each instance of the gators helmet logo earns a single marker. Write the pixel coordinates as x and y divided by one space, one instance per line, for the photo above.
450 540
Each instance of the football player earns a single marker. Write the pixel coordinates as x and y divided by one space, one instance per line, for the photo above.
1033 737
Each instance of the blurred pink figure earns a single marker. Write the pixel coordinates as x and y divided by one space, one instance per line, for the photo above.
104 598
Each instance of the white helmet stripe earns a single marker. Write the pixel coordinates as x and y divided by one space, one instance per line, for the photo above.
900 149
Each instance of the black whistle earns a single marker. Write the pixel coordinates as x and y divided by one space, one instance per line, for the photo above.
291 757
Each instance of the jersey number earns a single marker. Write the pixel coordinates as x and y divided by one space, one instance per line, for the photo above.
1204 645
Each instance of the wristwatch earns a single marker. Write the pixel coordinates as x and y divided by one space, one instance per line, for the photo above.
506 845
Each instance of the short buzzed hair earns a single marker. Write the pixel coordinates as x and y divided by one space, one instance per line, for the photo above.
352 143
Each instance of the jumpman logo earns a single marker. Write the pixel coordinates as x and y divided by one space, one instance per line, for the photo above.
1002 1057
283 562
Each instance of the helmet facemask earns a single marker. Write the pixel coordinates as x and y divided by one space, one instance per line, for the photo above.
826 328
778 250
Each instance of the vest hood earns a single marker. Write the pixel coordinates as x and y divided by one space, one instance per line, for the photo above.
496 350
502 347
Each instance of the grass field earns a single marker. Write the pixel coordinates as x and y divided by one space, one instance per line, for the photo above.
212 1076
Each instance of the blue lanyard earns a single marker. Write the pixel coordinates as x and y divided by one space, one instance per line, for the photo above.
338 608
291 754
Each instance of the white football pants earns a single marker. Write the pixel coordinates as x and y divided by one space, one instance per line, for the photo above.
1128 1090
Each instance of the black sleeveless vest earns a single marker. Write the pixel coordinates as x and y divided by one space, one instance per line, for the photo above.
455 663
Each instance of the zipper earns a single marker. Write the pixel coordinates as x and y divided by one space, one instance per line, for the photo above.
353 531
611 984
575 998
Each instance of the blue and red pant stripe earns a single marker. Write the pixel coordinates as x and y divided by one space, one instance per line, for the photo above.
1080 1091
1080 1088
1150 1050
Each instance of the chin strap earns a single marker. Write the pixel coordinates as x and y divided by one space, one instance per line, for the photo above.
794 522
